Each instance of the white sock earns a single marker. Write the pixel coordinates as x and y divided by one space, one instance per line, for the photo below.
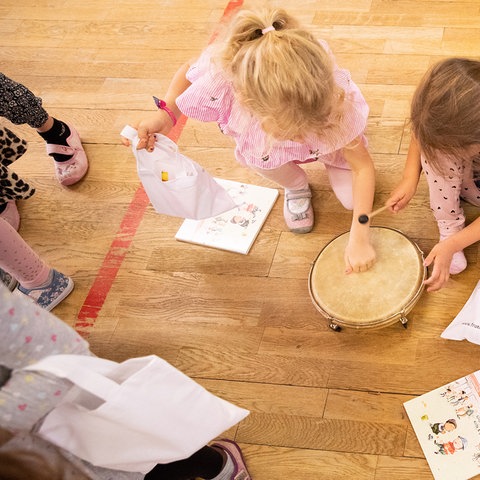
459 263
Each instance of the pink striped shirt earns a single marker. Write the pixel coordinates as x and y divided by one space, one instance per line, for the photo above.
210 98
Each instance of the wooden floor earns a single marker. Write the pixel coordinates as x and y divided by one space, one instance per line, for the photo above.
324 405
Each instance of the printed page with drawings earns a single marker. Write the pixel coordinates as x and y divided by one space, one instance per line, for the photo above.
447 424
237 229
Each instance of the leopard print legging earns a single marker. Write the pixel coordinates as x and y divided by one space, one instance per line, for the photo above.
19 105
12 187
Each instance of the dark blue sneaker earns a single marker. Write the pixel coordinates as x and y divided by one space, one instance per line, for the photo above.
8 280
48 296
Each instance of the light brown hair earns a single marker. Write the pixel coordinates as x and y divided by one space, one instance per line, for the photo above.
445 110
29 462
23 465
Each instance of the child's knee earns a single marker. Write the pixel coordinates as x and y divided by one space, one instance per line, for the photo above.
341 181
345 198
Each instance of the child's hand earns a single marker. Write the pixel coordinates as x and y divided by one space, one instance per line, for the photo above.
359 256
156 122
441 256
401 195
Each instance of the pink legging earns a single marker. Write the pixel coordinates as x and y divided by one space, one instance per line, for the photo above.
446 190
292 176
19 260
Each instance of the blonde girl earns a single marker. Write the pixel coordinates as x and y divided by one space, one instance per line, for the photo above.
277 90
445 119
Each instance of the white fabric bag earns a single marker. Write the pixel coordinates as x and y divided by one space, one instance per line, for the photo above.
187 190
132 415
466 325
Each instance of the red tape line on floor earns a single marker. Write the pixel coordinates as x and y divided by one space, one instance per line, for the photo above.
113 260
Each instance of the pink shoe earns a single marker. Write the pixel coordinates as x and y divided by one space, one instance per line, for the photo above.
11 215
73 170
298 210
231 448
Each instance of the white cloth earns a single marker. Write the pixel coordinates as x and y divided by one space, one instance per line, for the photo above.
466 325
132 415
175 184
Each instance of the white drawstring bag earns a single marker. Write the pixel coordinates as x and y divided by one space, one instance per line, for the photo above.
466 325
175 184
132 415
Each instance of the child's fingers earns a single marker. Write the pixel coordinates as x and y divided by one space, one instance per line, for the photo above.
142 143
143 135
428 259
398 203
439 276
433 284
151 142
395 206
348 267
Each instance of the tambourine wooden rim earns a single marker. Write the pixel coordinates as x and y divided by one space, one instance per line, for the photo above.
383 320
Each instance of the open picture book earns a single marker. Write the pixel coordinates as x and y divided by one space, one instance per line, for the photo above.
236 229
447 424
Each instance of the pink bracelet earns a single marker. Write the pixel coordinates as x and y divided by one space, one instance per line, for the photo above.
161 105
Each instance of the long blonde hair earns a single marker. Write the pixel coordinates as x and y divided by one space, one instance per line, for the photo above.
283 76
445 111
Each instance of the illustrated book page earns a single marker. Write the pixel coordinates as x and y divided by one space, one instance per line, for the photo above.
447 424
236 229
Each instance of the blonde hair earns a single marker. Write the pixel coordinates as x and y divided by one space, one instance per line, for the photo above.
445 110
282 76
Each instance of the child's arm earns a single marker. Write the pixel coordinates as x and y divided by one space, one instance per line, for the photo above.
442 253
159 121
359 254
406 189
